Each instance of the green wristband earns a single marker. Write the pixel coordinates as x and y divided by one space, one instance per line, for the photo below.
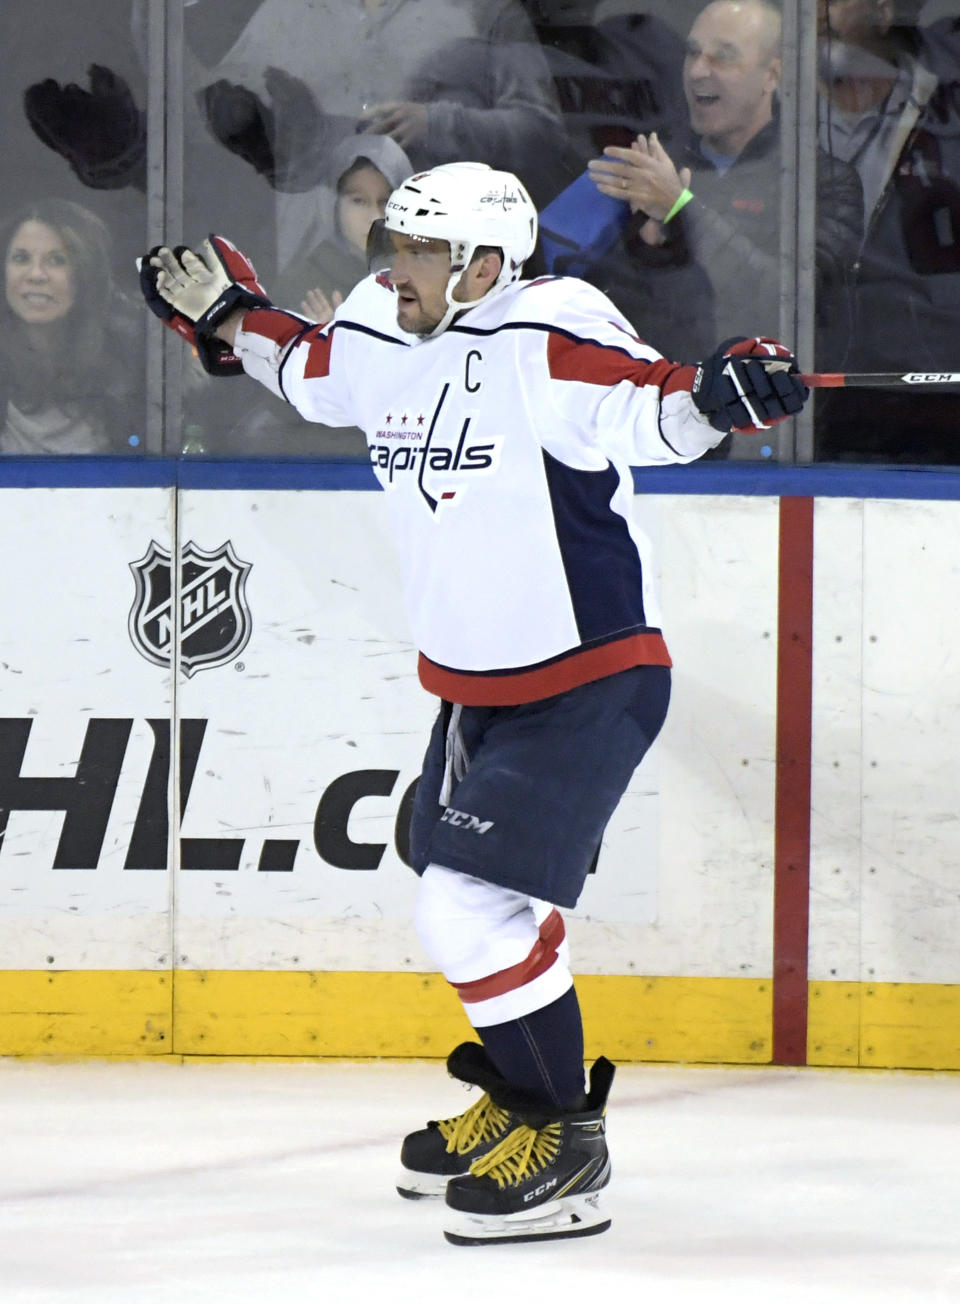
684 197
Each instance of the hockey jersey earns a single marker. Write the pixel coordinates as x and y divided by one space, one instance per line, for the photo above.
504 448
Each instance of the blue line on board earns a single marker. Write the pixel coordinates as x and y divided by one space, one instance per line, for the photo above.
764 479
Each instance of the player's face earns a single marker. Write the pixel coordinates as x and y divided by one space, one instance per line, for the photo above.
361 201
39 275
419 271
730 74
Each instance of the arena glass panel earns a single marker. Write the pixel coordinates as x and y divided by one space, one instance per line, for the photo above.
299 119
888 105
73 213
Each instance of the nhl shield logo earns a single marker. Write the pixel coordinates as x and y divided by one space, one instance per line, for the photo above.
215 623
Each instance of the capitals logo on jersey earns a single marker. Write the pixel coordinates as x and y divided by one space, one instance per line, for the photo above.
441 461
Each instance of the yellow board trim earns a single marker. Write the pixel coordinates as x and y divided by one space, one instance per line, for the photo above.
909 1025
833 1024
86 1012
412 1015
295 1015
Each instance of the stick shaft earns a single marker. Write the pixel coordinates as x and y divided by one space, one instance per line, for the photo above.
881 379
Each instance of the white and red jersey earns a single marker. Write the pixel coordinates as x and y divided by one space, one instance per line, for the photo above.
504 446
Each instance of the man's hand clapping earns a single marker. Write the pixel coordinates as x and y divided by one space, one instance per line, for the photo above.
645 176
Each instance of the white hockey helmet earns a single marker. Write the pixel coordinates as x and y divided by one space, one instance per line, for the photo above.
469 205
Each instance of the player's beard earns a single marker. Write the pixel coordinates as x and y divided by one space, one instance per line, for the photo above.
414 320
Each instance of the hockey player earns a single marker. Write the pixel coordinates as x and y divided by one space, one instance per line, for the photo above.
502 417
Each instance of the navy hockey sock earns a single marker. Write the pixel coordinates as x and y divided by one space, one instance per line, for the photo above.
542 1053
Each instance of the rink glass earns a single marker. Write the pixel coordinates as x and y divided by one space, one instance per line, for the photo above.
167 121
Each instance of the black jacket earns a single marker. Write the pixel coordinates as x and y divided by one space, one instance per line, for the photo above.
718 274
102 389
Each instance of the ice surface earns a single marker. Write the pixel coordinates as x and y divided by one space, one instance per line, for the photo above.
135 1183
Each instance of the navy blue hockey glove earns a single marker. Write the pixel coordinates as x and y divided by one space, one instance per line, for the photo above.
193 293
748 385
100 132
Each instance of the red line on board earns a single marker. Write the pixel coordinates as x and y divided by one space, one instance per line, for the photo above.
791 897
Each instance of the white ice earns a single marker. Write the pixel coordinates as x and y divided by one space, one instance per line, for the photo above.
135 1183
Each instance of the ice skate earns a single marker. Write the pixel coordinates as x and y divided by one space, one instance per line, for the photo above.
446 1148
542 1181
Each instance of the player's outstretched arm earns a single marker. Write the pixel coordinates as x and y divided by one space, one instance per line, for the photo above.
645 408
212 298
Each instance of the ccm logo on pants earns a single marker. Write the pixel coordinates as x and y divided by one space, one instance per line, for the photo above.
461 820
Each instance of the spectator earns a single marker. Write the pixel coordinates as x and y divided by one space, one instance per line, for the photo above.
70 378
888 105
275 86
362 171
700 257
48 40
436 75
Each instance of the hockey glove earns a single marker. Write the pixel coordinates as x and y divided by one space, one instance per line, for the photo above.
749 385
283 139
100 132
193 293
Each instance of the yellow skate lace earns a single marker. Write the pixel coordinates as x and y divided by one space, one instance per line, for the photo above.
481 1122
522 1153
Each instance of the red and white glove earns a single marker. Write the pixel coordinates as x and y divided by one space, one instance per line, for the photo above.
749 385
193 293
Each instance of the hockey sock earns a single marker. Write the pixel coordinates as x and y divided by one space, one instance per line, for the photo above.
542 1052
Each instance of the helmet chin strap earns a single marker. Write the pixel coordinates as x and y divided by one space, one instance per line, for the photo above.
456 306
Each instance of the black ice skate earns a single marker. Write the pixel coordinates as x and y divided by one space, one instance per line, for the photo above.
446 1148
542 1181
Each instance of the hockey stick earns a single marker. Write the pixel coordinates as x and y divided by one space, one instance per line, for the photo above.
881 379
